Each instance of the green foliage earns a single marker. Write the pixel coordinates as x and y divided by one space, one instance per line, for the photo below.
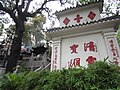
38 19
34 27
98 76
118 35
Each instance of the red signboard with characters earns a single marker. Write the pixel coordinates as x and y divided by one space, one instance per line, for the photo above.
55 58
114 51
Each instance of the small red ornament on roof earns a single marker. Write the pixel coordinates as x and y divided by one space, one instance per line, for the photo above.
66 21
91 15
78 18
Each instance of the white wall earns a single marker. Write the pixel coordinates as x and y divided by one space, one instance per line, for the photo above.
83 13
80 40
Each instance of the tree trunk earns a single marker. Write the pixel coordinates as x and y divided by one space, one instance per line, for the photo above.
15 48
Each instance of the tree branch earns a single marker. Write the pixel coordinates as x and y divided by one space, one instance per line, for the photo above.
1 6
39 10
27 7
23 3
16 6
10 12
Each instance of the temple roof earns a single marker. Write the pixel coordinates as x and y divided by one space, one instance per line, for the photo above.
69 24
95 2
106 19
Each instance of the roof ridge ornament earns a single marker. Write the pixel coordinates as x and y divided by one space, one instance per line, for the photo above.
80 6
106 19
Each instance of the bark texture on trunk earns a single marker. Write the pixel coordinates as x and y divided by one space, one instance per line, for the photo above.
15 48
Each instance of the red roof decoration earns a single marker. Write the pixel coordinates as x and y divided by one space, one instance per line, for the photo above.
66 21
107 19
91 15
82 5
78 18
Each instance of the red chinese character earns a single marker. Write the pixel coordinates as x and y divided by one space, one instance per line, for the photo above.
112 45
77 62
111 41
90 59
74 63
73 48
116 62
55 55
54 62
116 52
78 18
113 51
56 51
56 48
55 67
89 45
115 58
70 64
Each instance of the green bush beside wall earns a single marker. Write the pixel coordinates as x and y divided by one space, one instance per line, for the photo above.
98 76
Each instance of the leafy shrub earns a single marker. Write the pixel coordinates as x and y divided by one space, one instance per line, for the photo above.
98 76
